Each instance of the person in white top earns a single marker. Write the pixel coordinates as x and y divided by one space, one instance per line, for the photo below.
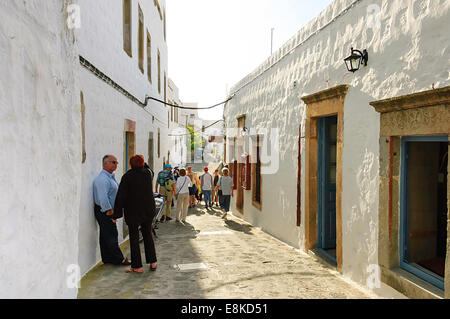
206 187
182 189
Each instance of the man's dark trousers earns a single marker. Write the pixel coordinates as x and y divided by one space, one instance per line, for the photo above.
109 244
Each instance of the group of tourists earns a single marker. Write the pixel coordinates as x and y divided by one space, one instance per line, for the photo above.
183 186
133 199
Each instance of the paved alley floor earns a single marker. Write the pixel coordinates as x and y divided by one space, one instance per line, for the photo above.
214 258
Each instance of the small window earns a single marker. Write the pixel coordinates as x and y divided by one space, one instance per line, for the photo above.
149 57
141 40
165 87
150 150
156 2
159 143
127 27
159 72
83 128
164 22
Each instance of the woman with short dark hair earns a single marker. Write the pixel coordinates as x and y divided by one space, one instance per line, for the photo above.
135 202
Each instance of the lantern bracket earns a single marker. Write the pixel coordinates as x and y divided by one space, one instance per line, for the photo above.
362 57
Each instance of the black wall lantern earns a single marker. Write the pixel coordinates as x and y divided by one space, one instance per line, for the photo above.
353 61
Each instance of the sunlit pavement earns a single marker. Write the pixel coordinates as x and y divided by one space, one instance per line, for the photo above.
210 257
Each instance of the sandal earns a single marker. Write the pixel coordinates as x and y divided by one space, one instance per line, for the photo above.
125 262
153 268
138 270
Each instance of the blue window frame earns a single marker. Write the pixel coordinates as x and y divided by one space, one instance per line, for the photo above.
404 200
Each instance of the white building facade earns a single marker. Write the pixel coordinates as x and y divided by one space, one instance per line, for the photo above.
177 132
318 131
123 59
40 134
73 89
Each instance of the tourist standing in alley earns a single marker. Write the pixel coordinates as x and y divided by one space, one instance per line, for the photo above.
166 183
215 196
193 189
225 186
182 187
206 185
105 191
135 202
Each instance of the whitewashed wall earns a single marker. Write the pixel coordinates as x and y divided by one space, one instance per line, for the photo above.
177 130
100 41
41 150
408 45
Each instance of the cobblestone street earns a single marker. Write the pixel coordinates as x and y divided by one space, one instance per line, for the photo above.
214 258
323 125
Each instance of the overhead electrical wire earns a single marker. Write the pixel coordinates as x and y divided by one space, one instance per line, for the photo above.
116 86
185 107
102 76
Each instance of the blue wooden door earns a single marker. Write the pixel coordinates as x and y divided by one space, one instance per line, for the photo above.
327 143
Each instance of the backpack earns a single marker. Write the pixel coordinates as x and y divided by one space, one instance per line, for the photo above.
168 184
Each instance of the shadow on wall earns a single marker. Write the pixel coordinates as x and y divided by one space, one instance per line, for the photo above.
89 237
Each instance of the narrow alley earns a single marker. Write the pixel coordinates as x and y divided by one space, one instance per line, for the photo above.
211 257
322 127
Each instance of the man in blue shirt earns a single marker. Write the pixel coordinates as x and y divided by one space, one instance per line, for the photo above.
163 176
105 190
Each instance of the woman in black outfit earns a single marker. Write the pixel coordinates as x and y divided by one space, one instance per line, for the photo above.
135 202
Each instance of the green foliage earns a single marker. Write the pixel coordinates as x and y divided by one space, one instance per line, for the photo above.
195 139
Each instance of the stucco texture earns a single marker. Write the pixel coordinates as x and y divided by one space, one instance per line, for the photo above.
41 151
405 40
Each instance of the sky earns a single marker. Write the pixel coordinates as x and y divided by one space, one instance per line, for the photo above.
213 44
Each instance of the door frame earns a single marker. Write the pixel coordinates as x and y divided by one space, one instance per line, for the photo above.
129 149
324 103
404 200
240 165
151 151
322 178
423 113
